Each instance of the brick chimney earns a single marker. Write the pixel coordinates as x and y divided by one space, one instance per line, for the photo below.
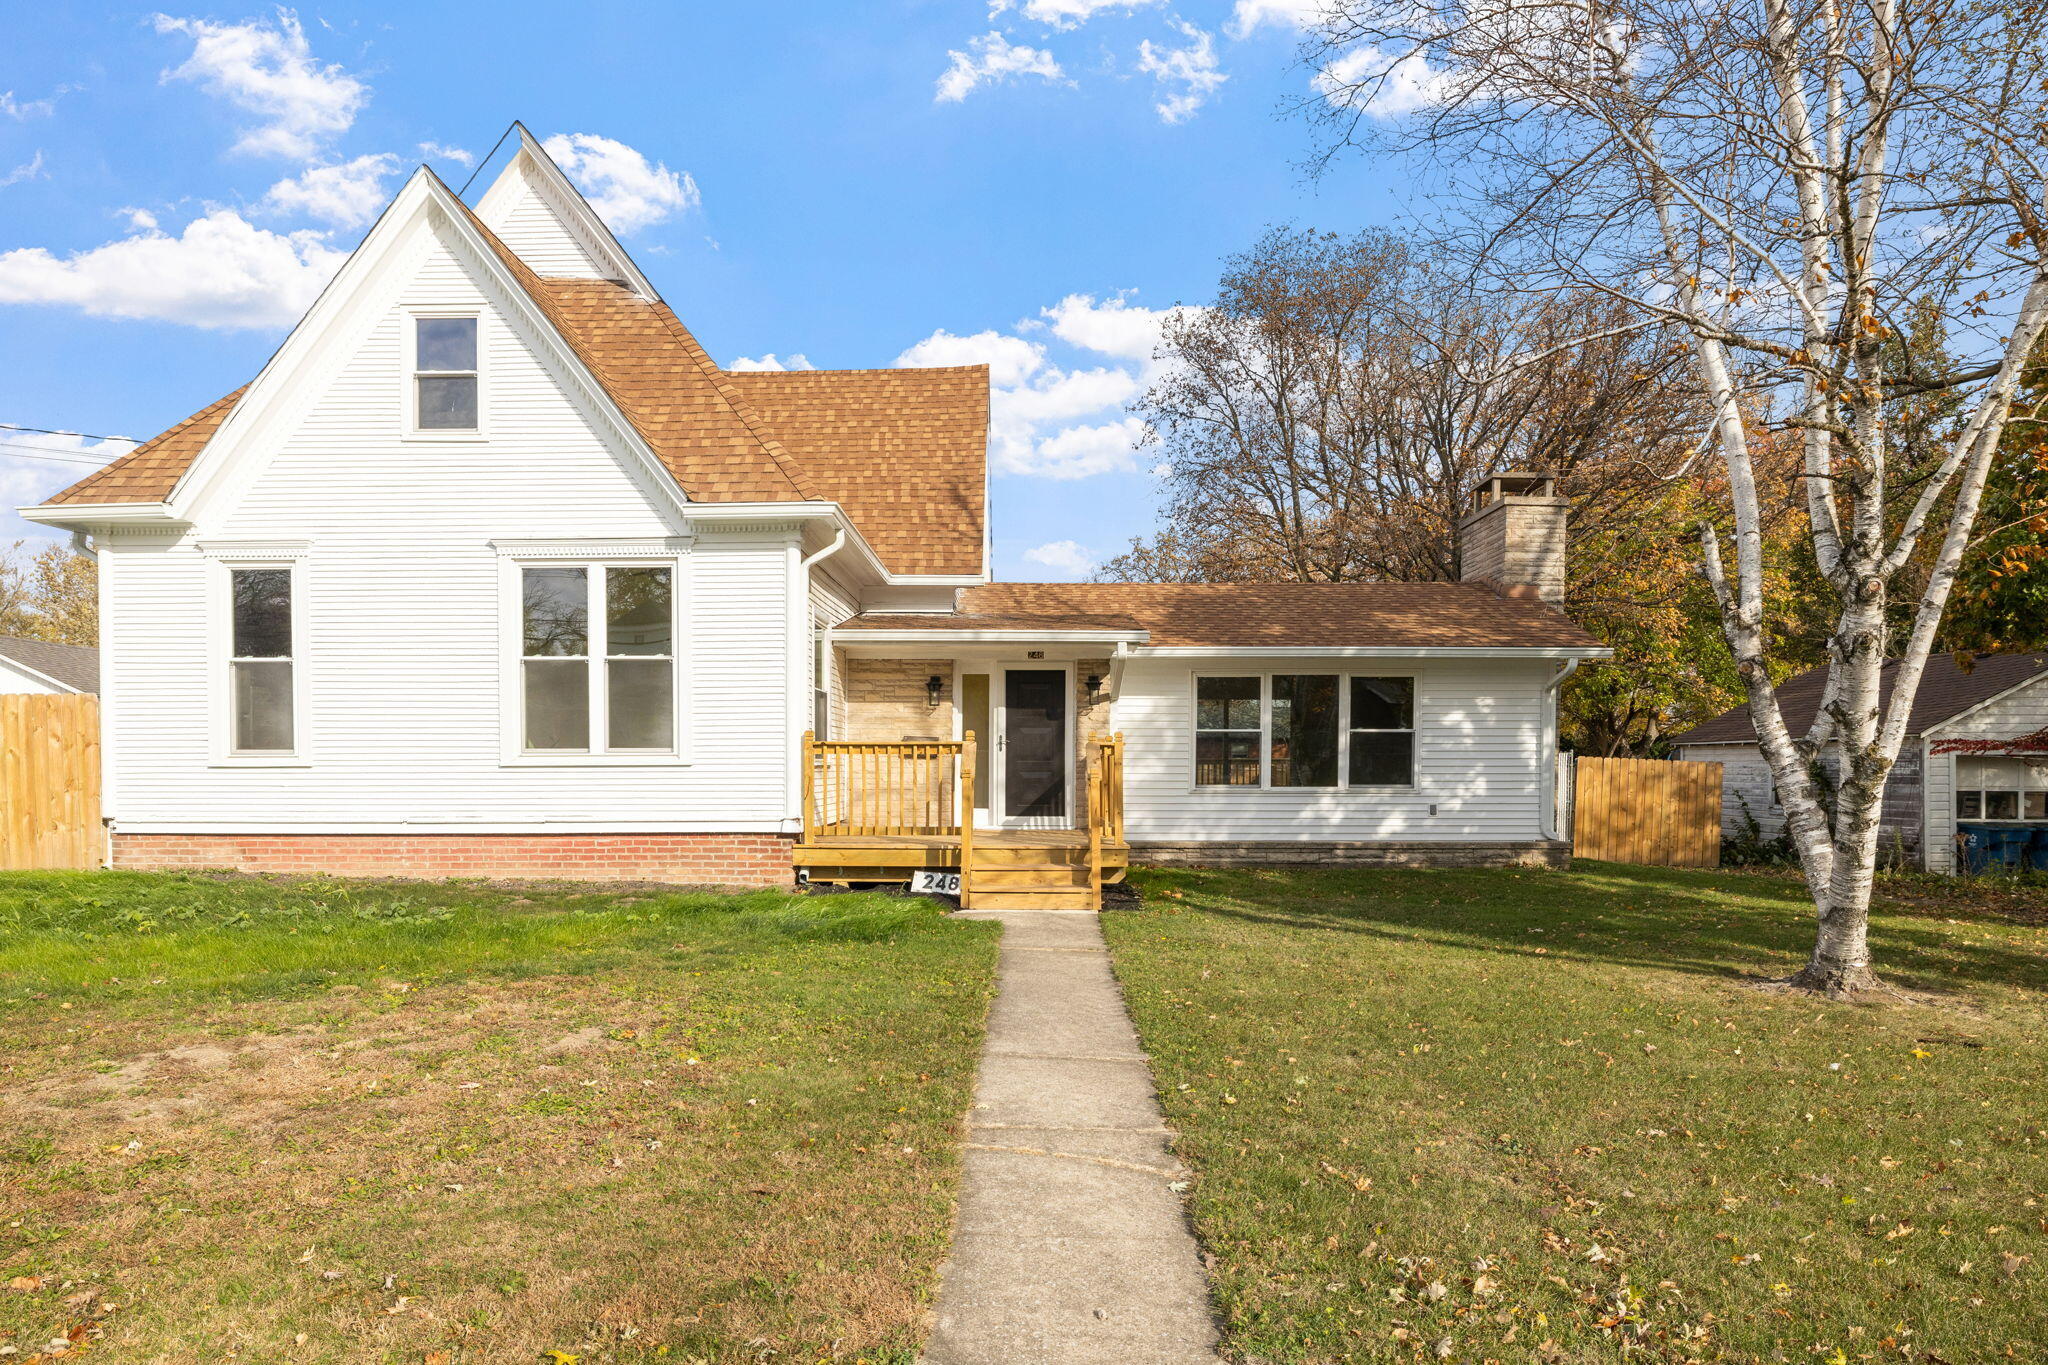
1513 538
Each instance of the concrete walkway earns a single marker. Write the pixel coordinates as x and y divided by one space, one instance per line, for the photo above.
1072 1247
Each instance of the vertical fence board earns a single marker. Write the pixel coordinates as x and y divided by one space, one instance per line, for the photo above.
50 782
1634 810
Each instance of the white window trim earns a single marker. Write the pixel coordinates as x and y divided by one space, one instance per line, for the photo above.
1265 677
409 374
514 559
220 666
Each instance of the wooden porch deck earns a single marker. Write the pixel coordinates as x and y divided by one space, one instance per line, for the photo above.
876 812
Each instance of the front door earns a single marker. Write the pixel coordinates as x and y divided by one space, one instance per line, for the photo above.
1034 741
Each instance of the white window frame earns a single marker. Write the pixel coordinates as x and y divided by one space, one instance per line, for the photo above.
223 560
410 373
1344 677
593 558
2032 779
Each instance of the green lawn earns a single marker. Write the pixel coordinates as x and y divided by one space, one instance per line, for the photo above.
1541 1116
345 1121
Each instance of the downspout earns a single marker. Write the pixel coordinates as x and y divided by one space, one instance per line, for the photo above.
83 545
1550 691
1117 661
800 662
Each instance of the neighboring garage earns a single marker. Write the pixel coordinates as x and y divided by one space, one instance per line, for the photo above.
1970 792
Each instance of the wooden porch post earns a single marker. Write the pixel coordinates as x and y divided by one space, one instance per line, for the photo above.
965 810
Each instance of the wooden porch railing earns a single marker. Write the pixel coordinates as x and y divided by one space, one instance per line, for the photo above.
1105 804
909 788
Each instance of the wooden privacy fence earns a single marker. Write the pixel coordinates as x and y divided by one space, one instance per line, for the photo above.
50 782
1642 810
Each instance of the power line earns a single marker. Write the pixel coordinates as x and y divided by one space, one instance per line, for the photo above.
53 431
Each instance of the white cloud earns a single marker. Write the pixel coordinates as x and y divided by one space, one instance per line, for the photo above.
1066 556
349 194
25 109
139 220
220 272
771 361
627 192
990 60
1112 326
32 169
1250 15
1046 419
268 69
1381 84
1192 69
437 151
1064 14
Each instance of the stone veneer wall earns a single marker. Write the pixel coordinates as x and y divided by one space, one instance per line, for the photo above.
1414 853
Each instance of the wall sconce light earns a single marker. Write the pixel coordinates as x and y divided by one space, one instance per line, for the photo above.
932 687
1094 688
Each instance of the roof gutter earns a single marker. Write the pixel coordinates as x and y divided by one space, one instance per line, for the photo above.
1574 653
1122 639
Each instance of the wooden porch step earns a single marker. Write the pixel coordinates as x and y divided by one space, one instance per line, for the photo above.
1029 876
1036 898
1010 855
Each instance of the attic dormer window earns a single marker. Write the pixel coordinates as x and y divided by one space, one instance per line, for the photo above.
444 374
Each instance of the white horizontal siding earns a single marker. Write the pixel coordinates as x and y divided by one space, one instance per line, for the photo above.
536 234
831 602
406 630
1481 760
2021 711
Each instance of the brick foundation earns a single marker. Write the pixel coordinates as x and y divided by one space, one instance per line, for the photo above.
691 859
1410 853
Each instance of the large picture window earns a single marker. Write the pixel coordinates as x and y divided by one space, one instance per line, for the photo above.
597 659
2001 789
260 663
1289 730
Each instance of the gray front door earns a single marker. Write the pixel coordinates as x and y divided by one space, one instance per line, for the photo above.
1035 744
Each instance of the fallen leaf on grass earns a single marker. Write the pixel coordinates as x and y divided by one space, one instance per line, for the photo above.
27 1284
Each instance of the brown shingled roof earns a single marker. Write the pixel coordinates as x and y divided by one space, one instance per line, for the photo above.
148 472
1945 691
1275 615
904 451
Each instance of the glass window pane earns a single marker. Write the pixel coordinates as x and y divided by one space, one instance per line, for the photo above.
263 706
2036 806
1226 759
1304 730
1227 703
2001 805
1383 703
2004 774
446 344
1382 758
263 613
1970 805
639 702
557 704
638 611
557 612
447 402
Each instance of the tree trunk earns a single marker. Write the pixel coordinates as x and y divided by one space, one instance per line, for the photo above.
1840 964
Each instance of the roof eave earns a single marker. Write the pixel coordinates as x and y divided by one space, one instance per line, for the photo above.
1373 652
940 635
85 515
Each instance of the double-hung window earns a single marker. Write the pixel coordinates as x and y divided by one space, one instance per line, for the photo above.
444 374
597 659
260 660
1305 730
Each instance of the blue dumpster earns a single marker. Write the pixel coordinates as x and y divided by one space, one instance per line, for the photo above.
1973 849
2037 849
2006 847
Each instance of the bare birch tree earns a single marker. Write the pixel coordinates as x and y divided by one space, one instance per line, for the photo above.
1783 182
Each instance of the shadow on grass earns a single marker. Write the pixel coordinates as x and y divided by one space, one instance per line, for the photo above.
1733 925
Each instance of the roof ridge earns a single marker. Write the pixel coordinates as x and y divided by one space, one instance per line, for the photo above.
859 369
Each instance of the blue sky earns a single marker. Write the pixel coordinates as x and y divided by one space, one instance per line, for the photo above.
855 184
